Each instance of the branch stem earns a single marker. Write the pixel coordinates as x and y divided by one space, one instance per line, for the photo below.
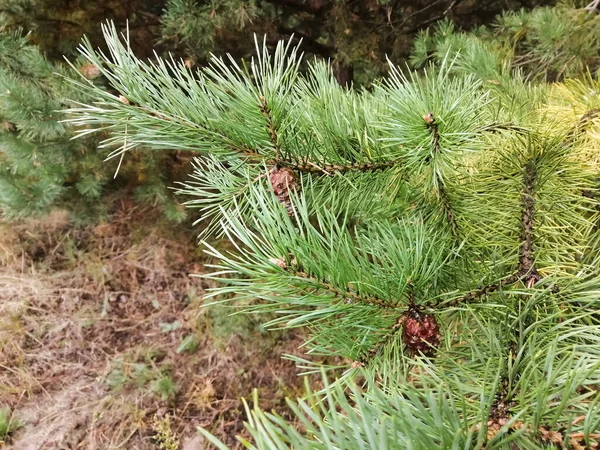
526 268
271 128
581 125
368 354
479 292
347 295
327 169
444 198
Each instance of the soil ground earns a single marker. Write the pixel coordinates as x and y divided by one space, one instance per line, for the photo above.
104 343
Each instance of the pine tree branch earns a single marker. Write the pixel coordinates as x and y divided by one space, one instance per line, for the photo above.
496 127
445 200
311 167
476 294
500 414
347 296
581 126
435 133
244 151
271 129
327 169
526 268
249 153
369 354
448 211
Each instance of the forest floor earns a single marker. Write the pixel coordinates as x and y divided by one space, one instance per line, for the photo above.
104 344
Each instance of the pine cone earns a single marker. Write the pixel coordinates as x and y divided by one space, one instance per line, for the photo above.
283 180
420 332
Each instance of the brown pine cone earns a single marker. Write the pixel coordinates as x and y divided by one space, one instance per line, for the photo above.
284 180
421 332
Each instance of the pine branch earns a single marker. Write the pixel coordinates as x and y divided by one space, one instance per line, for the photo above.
329 169
369 354
366 356
447 208
476 294
435 134
249 153
271 129
445 200
351 270
314 167
526 268
347 296
496 127
581 126
499 414
592 196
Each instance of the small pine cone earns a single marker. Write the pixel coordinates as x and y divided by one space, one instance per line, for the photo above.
283 180
420 332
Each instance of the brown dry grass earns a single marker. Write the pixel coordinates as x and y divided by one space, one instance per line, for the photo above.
90 323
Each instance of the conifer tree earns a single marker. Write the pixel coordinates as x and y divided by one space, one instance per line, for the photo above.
546 43
39 164
355 35
437 233
57 26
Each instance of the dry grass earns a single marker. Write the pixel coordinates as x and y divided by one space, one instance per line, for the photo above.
91 321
